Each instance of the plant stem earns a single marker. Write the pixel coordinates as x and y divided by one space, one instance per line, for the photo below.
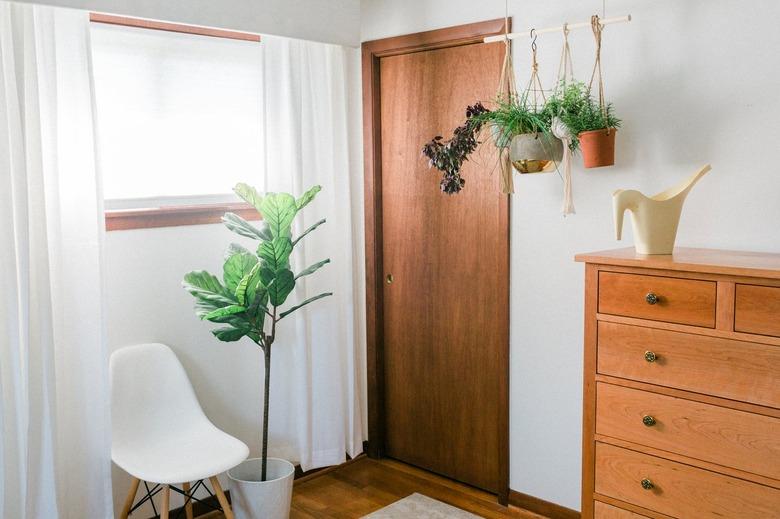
268 340
267 351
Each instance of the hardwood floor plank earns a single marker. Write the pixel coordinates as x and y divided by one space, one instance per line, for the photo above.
365 485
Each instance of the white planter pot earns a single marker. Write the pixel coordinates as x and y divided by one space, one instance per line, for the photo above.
255 499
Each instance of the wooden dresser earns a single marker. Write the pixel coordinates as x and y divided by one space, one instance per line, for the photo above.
682 385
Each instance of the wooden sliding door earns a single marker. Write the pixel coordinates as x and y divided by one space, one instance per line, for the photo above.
438 265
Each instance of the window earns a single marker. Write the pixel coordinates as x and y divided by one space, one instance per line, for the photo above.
179 117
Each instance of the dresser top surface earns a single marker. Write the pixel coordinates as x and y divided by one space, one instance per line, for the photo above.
712 261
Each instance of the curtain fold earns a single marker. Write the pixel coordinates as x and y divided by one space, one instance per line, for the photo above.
316 384
54 416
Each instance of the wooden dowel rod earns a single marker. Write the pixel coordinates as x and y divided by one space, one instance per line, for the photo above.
571 26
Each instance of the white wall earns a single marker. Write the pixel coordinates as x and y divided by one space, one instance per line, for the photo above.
146 303
334 21
694 82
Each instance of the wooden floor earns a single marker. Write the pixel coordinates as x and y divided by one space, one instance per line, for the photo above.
364 485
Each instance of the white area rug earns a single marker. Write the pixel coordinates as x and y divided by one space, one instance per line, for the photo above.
418 506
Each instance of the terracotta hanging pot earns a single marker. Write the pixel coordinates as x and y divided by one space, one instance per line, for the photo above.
598 147
535 152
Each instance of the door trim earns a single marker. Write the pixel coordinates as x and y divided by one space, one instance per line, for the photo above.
372 51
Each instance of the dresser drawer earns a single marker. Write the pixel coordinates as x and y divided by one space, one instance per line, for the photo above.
674 300
680 490
744 441
726 368
605 511
757 310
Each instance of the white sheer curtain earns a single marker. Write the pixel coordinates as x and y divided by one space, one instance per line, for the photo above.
316 384
54 419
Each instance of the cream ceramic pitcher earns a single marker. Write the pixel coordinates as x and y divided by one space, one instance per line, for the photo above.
654 219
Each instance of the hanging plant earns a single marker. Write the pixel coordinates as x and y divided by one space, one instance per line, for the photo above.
516 124
565 101
595 124
448 156
532 148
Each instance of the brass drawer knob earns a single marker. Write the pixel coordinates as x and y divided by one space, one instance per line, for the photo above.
651 298
650 356
648 420
389 279
647 484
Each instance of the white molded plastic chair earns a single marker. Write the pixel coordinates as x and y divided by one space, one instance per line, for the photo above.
160 434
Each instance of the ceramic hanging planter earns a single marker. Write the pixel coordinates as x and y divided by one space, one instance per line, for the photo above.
535 152
598 147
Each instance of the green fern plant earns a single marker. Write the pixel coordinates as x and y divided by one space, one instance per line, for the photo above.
250 298
514 116
577 109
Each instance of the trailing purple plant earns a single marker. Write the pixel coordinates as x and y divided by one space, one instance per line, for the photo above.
448 156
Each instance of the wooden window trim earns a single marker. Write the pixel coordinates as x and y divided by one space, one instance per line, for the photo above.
172 27
174 216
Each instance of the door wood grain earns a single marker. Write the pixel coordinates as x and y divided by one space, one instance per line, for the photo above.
445 259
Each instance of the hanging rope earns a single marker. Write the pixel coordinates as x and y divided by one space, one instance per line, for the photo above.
598 27
559 129
507 92
534 87
565 66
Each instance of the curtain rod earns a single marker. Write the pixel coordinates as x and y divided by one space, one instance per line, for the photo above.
578 25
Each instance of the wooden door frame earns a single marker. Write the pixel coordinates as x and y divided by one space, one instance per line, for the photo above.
372 51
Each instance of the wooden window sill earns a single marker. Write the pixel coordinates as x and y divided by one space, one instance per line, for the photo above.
174 216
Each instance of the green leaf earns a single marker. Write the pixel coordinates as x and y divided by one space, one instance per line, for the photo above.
278 210
312 268
235 248
243 285
276 253
307 231
307 197
236 267
204 307
266 276
258 303
256 293
249 194
224 311
282 285
207 288
240 226
310 300
236 320
229 334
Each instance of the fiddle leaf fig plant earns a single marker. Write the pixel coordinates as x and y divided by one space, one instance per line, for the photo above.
251 298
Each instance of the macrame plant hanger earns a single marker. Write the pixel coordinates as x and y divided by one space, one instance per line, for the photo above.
507 92
559 129
534 90
598 28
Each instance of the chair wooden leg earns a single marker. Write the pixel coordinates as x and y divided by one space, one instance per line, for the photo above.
188 506
223 502
130 498
166 502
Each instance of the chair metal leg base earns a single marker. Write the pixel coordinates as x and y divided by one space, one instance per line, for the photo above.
187 491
